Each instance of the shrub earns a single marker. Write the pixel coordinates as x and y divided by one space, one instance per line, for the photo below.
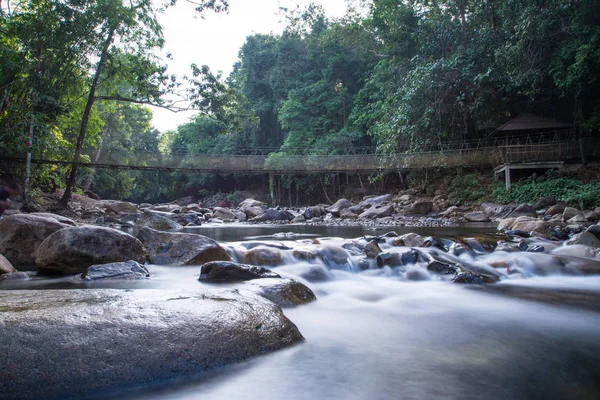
564 188
466 189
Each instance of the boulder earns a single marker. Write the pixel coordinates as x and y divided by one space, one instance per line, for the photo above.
377 211
223 213
411 240
250 203
584 238
347 214
372 249
127 270
591 216
60 218
419 208
314 212
453 211
240 216
167 208
494 210
526 224
570 212
375 200
155 221
578 219
72 250
339 206
283 292
298 219
556 209
506 223
263 255
477 216
545 202
523 210
594 230
119 207
170 248
309 272
273 215
228 271
468 278
5 266
22 234
88 343
405 199
252 208
335 257
185 219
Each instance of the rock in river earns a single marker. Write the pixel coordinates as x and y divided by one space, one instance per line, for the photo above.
228 271
84 343
22 234
121 270
72 250
168 248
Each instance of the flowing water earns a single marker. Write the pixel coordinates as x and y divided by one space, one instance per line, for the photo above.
406 333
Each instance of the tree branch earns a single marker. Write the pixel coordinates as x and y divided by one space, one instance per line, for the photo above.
171 107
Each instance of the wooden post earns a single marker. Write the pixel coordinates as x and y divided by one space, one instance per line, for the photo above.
507 176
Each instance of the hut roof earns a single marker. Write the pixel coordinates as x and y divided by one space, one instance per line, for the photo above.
532 122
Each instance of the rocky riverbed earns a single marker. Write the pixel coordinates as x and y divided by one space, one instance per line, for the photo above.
117 335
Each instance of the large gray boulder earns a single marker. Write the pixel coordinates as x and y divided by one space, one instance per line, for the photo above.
273 215
85 343
127 270
228 271
59 218
419 208
5 266
72 250
338 206
376 200
169 248
156 221
223 213
283 292
119 207
22 234
252 208
477 216
377 211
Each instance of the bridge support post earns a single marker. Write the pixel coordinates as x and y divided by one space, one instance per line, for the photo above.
507 176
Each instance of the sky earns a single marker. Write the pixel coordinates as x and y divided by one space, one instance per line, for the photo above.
216 39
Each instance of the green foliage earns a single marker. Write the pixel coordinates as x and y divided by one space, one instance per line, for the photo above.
565 189
467 189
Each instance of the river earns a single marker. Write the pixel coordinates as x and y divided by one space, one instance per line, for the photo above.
376 335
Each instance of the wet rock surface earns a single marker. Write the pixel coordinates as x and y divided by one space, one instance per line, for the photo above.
83 343
168 248
22 234
228 271
123 270
283 292
72 250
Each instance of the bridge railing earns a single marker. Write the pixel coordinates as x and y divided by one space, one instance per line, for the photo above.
480 153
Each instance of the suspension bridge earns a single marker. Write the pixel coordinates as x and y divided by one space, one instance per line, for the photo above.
482 153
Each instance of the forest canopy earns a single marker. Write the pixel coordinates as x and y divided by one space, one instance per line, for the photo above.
391 75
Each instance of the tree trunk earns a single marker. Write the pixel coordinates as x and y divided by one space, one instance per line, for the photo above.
90 178
64 201
325 191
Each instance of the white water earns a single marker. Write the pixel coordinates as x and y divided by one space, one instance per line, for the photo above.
373 335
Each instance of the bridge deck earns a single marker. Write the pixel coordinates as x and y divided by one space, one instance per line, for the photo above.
485 155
